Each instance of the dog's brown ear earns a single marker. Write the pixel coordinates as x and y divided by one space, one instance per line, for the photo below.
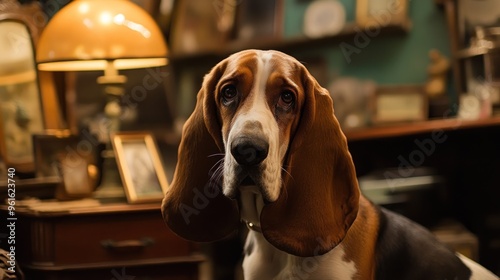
194 206
320 195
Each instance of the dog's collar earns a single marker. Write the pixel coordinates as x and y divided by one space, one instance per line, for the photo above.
254 227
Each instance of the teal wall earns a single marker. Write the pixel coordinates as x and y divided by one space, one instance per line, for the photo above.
394 59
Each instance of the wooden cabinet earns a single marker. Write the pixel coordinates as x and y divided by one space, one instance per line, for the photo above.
463 153
117 241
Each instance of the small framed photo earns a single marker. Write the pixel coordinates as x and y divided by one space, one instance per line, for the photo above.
60 154
393 104
51 147
381 13
259 19
140 166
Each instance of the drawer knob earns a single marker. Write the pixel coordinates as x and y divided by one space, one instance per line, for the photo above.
127 245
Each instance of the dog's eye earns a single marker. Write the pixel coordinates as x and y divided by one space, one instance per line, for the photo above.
287 99
228 93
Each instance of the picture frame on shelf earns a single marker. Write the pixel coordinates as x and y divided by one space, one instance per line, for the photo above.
401 103
383 13
141 168
201 26
262 19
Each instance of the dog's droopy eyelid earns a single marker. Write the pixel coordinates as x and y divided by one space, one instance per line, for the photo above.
288 84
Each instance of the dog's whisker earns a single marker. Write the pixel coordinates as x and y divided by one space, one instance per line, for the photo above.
217 154
219 178
217 164
288 173
216 176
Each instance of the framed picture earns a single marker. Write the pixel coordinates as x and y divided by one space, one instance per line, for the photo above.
140 166
21 113
201 26
59 154
399 104
49 148
351 101
259 19
381 13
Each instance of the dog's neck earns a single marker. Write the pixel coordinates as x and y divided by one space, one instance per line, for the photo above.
251 204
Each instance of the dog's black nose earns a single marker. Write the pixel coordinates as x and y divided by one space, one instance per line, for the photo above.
249 151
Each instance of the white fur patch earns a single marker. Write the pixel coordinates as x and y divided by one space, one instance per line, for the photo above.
258 111
478 272
263 261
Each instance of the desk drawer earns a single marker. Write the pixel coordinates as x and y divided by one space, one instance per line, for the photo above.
105 238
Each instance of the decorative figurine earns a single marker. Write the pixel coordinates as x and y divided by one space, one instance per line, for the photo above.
437 71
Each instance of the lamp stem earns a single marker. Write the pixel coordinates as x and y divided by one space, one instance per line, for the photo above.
110 69
111 188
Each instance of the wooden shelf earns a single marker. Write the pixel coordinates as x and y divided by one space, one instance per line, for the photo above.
287 44
378 132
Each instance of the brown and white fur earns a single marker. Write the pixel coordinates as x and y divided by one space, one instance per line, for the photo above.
286 171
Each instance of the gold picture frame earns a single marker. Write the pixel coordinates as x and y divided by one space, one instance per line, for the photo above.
396 104
21 104
383 13
140 166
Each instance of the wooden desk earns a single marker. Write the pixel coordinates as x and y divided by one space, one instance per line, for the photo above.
115 241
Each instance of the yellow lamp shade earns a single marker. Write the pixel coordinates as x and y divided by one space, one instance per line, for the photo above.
88 34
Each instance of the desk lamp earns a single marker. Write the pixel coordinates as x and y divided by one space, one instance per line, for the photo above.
103 35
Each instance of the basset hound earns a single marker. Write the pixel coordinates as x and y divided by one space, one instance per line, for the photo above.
264 147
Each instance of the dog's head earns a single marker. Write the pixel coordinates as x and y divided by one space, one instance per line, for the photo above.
262 120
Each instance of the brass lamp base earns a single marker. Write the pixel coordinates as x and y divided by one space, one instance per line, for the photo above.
111 188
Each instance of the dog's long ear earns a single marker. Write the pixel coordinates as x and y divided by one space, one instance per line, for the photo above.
194 206
320 195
